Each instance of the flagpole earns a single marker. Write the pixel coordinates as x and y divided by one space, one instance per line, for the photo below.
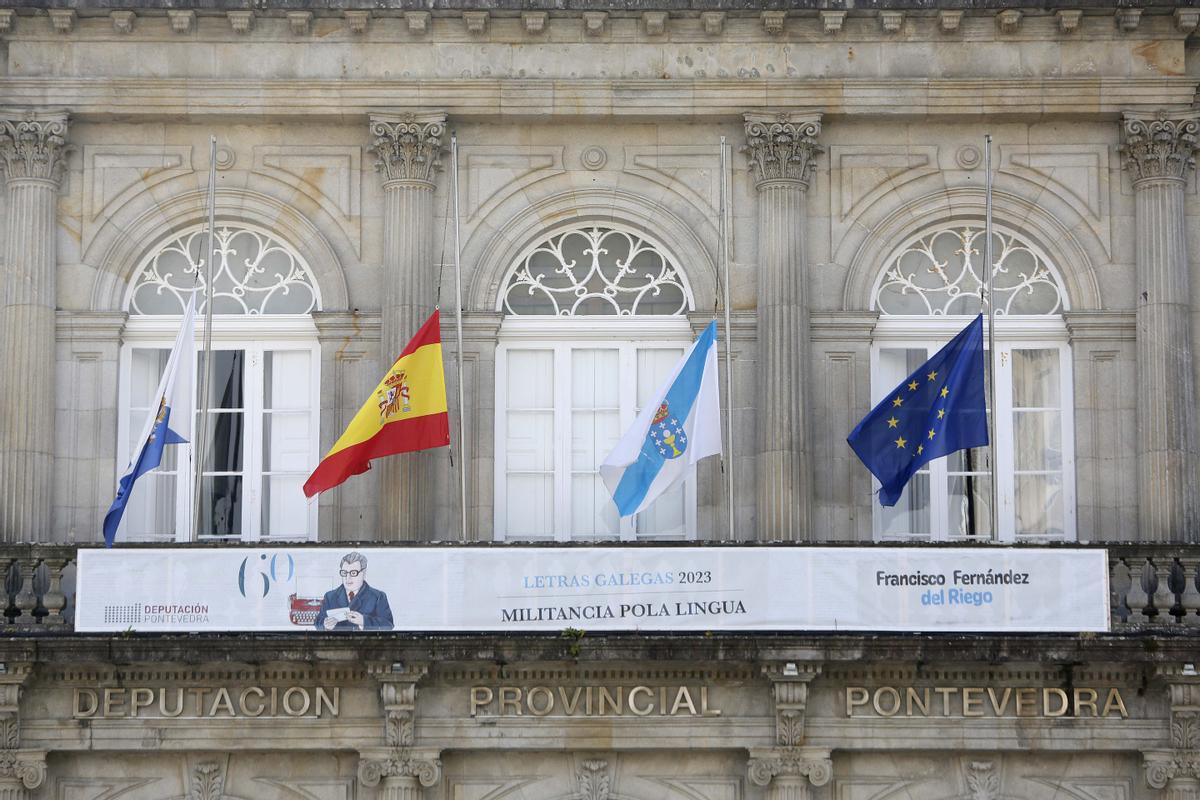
723 258
198 449
462 407
991 317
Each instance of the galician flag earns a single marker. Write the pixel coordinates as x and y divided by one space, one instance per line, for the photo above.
169 421
406 412
681 426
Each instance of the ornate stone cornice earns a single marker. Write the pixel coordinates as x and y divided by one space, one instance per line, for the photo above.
782 146
27 766
408 147
813 763
33 145
1162 146
399 762
398 693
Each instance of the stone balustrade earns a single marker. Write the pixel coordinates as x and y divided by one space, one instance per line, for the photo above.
1151 586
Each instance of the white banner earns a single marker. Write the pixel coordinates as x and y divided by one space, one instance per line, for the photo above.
507 588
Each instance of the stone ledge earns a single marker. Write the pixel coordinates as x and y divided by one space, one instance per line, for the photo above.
752 6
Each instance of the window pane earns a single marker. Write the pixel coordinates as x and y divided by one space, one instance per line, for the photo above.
287 441
654 365
530 379
150 513
284 507
225 389
1035 378
595 379
1039 440
146 369
223 448
1039 505
593 513
910 516
221 506
593 436
896 364
530 506
969 506
286 383
529 446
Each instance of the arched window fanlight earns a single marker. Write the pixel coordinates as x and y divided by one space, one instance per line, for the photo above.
940 273
595 271
254 274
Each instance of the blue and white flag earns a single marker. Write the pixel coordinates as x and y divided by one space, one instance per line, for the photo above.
174 395
681 426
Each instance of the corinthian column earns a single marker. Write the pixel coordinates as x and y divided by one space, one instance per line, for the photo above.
790 773
408 150
401 771
32 157
783 151
1158 154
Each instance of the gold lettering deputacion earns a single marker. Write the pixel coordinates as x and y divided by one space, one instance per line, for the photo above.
204 702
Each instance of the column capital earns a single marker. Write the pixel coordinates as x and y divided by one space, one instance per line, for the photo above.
398 693
789 682
423 766
1164 766
782 146
814 763
1159 146
27 766
408 146
33 145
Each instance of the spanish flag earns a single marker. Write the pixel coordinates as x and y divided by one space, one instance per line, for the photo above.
406 412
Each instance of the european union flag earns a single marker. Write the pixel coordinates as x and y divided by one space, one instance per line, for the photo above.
937 410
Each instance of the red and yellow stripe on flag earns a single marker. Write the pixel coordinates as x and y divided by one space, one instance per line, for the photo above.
406 412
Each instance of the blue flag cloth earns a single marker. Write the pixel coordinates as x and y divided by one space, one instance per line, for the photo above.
937 410
160 429
679 427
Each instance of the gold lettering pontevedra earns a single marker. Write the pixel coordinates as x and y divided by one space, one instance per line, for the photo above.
592 701
969 701
202 702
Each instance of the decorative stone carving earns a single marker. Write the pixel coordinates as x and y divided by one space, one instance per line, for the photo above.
1185 730
534 22
181 21
949 21
7 18
63 19
891 21
713 22
240 21
782 147
1128 19
27 766
983 781
300 22
831 21
123 21
773 21
1179 767
1162 146
813 763
410 148
207 782
1165 766
789 682
655 22
1068 19
594 21
33 146
374 766
1186 19
418 22
476 22
357 21
1009 21
593 780
398 694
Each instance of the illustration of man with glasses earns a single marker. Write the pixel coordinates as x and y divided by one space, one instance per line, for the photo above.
354 606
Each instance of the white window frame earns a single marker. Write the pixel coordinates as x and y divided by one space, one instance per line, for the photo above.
254 335
1012 332
625 334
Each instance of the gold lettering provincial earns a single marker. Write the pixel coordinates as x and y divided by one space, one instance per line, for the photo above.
634 693
540 708
683 698
510 696
617 704
705 711
570 706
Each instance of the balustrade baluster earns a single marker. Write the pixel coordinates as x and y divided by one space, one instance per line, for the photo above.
54 601
1139 600
1190 598
26 599
1118 585
1164 598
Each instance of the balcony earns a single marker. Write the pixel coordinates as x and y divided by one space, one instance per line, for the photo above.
1152 588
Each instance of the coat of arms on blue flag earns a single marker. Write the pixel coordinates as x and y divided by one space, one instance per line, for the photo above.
668 435
937 410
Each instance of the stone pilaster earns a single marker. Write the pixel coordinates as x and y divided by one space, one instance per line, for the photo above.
21 771
398 695
401 772
32 157
789 685
782 150
409 157
1177 771
1158 152
790 774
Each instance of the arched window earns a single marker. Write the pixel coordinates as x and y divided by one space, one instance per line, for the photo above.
263 398
929 289
595 319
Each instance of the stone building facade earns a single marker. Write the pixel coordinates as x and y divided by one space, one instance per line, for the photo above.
596 221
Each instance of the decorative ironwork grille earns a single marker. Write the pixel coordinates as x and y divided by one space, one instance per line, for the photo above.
596 271
253 273
940 273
